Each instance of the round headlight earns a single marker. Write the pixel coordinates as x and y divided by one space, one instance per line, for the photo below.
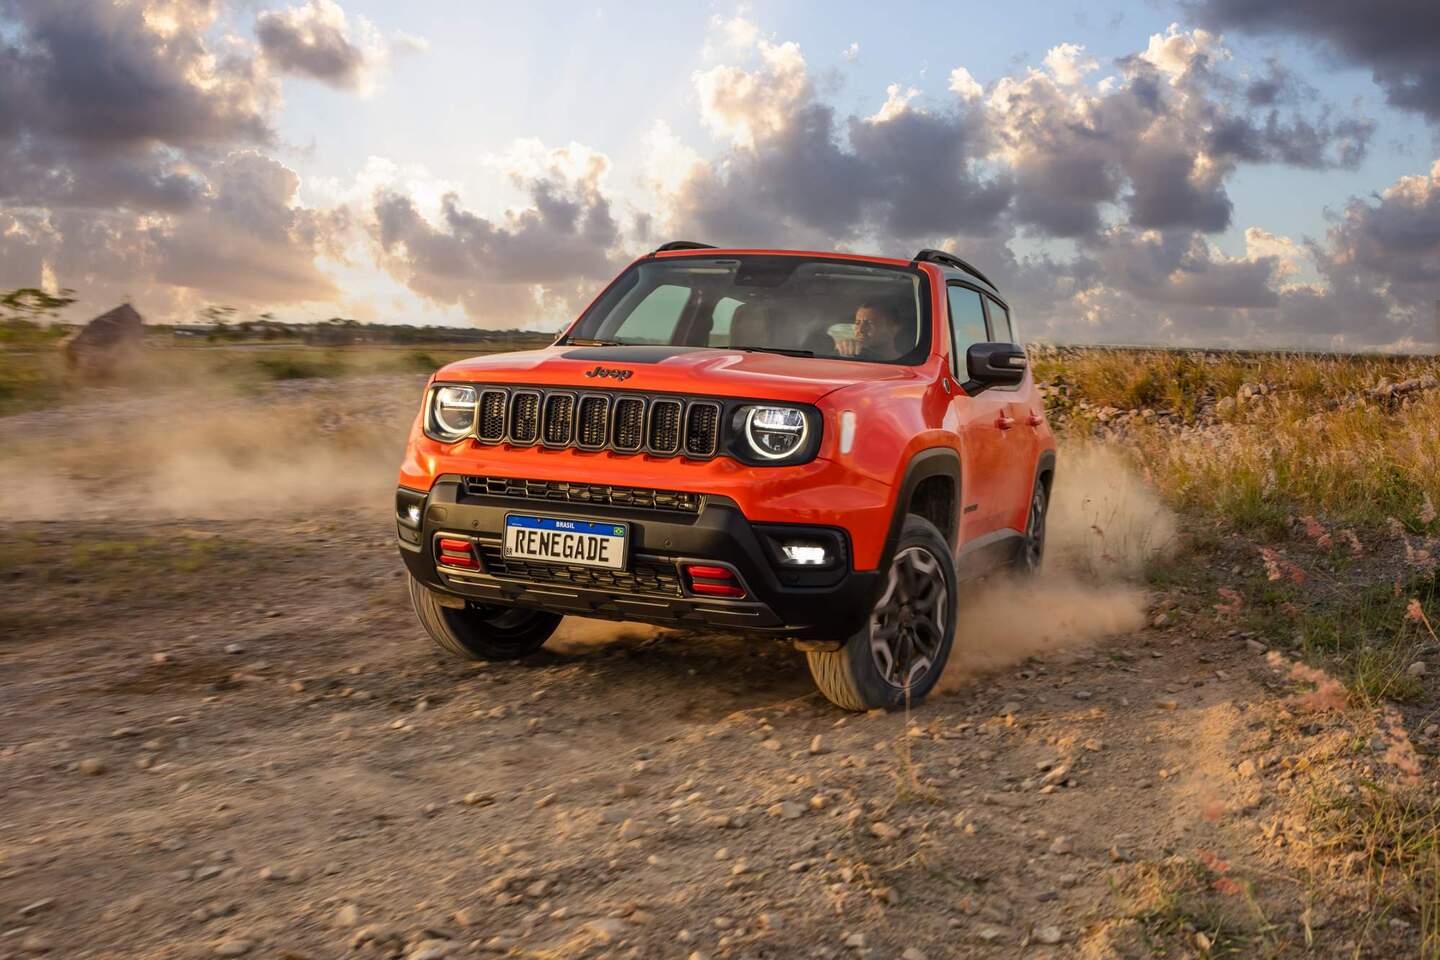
452 413
775 432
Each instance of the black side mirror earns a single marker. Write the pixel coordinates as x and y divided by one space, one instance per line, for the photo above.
995 364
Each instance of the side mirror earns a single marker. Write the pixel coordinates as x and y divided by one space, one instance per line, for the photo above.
995 364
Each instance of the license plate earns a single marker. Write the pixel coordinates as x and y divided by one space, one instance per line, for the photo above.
566 541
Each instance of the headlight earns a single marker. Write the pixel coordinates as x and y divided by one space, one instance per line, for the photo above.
775 433
451 413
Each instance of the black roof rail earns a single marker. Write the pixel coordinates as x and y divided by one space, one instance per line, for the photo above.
950 260
682 245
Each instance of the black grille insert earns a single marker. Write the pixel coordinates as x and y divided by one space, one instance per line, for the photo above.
524 417
558 420
560 491
665 426
491 428
629 423
652 576
593 423
702 428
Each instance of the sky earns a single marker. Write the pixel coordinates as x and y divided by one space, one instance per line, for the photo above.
1184 172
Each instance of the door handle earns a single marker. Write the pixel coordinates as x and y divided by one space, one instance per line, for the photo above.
1004 422
1034 419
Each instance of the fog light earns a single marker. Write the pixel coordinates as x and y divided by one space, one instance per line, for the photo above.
412 515
802 554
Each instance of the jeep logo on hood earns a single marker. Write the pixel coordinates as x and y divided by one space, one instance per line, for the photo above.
614 373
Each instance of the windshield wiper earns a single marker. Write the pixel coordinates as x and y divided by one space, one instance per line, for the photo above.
591 342
784 351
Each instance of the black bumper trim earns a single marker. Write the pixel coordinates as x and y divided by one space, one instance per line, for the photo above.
774 604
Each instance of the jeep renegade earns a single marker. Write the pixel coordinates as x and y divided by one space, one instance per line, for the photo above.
813 446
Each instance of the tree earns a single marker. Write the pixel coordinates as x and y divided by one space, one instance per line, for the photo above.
31 304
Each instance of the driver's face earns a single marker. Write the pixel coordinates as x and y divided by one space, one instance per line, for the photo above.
875 331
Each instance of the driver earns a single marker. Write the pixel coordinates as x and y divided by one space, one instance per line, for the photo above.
877 334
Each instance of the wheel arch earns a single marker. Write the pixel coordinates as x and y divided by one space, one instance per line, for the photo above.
939 467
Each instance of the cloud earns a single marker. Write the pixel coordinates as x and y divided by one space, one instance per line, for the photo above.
1396 39
964 85
533 264
1069 64
316 41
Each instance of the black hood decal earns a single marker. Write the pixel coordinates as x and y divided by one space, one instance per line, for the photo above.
636 353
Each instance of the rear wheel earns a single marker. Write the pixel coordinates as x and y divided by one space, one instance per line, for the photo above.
1032 550
901 651
480 631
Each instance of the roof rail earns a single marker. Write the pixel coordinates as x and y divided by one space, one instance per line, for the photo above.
950 260
682 245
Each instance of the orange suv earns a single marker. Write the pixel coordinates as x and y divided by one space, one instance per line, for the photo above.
813 446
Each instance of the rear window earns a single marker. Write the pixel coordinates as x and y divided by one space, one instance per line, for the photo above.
810 306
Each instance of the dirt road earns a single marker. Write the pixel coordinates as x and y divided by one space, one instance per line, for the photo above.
230 738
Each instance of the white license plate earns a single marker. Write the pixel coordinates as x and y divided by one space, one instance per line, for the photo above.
566 541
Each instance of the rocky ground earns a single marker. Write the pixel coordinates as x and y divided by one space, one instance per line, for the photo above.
230 738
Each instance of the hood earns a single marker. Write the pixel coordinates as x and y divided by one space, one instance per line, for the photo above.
712 371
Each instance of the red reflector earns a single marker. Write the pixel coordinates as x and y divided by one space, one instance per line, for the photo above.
718 589
455 546
469 563
709 573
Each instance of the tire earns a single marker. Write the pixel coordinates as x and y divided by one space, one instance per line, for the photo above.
913 621
481 631
1032 548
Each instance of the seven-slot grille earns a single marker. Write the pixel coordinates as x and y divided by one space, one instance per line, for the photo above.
625 423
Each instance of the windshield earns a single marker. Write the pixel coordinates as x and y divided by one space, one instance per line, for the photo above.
795 305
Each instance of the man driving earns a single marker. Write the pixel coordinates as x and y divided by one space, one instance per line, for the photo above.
877 334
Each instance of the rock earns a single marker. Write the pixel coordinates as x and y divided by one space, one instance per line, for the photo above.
1055 774
770 744
817 746
233 948
1225 407
629 789
1049 934
1119 855
1416 669
380 934
884 831
912 954
855 941
432 950
786 810
1255 646
631 830
990 933
468 917
347 916
1168 704
1009 708
234 649
1246 768
1061 846
106 342
476 798
1161 620
607 930
92 766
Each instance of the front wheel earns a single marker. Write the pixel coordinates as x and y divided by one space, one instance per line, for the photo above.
480 631
900 652
1032 548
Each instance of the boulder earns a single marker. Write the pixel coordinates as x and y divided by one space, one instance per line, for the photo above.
104 343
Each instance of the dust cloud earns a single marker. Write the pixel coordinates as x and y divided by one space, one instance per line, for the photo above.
1105 527
294 450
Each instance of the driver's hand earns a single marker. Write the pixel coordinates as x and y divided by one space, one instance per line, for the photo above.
848 348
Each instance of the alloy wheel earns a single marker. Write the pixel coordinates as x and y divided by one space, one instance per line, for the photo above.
1034 547
909 623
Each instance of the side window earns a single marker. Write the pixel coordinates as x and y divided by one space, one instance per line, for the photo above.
1000 331
967 325
720 321
654 319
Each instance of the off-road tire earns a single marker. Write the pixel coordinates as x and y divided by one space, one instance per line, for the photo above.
852 677
479 631
1032 547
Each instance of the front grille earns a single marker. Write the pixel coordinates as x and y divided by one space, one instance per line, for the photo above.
653 576
662 426
559 491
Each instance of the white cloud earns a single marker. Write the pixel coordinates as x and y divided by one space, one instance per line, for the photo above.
1069 64
965 85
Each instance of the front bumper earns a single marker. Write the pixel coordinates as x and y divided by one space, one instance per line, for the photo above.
812 605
